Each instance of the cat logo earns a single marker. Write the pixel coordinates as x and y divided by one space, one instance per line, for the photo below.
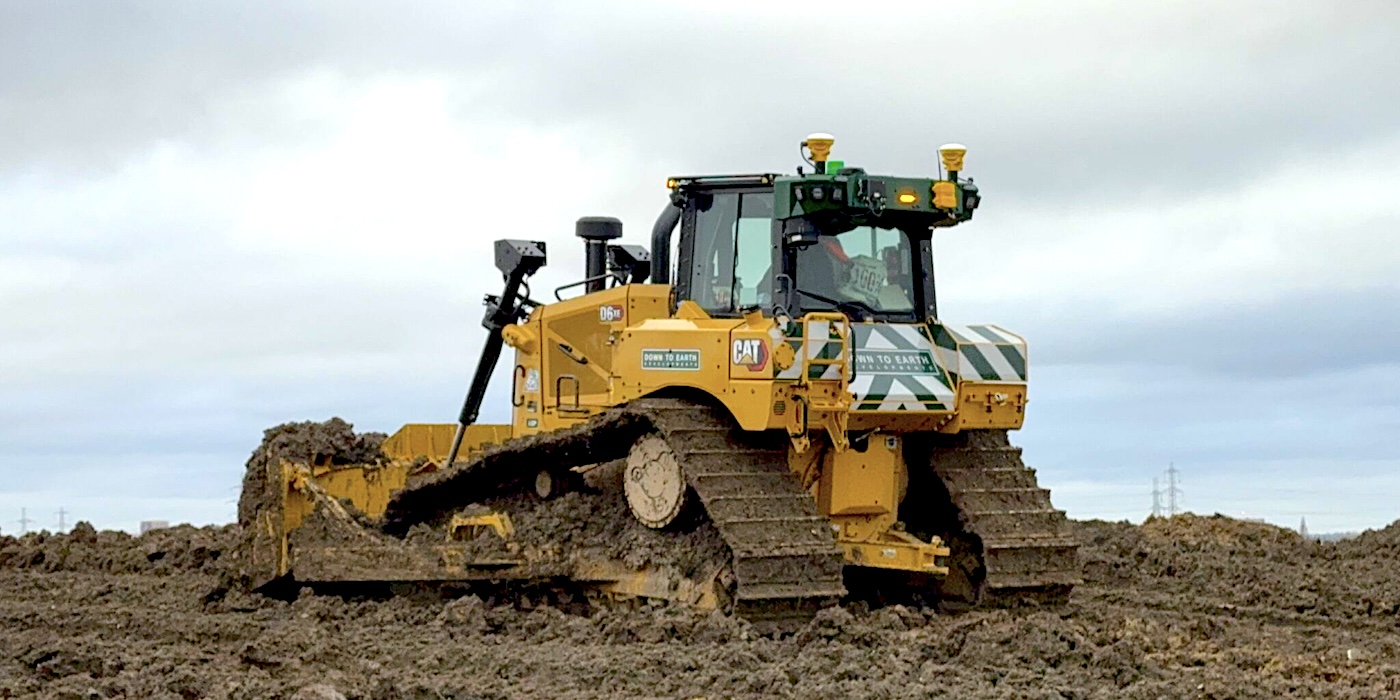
751 353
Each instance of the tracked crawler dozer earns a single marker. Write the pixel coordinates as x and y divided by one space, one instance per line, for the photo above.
780 416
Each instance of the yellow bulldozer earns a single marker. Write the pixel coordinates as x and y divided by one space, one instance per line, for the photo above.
783 402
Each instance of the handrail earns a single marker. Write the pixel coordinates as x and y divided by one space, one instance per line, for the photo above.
620 279
515 376
842 324
558 390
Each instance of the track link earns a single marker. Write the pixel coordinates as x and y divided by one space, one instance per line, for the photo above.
1026 549
785 561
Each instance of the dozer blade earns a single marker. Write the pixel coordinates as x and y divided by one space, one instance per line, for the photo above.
303 535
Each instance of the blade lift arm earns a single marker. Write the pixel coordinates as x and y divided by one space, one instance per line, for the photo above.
517 260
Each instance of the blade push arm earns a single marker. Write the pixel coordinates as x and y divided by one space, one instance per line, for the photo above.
517 260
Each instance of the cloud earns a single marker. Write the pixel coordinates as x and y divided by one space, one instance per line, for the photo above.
219 218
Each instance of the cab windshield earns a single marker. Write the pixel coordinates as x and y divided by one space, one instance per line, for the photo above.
730 262
867 266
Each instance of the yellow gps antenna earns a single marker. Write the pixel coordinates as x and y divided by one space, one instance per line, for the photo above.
952 155
819 145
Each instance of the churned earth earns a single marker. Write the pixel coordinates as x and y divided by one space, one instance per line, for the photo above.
1186 607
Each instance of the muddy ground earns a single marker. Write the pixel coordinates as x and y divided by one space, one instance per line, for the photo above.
1188 607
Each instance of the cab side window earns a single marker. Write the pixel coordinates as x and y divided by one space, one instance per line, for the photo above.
753 251
712 268
733 251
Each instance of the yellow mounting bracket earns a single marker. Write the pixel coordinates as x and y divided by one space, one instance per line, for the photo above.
822 391
896 549
467 527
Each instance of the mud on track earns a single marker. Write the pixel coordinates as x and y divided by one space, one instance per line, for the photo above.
1191 607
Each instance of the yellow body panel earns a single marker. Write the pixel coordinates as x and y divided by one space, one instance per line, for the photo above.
432 440
865 483
987 405
564 354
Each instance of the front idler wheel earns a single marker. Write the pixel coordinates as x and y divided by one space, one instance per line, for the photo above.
654 483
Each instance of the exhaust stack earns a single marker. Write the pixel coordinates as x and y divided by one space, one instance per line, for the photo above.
596 231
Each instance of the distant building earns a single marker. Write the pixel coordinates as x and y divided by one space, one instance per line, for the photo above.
148 525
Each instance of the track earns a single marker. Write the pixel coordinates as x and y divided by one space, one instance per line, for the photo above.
1027 552
785 558
785 562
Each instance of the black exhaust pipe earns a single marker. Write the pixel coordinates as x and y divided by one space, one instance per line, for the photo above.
661 244
596 231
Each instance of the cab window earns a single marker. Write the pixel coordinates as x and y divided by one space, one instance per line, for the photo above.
733 251
867 265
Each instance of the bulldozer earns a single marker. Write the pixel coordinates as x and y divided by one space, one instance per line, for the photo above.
785 387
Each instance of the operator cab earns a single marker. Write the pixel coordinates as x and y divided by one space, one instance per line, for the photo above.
731 243
826 241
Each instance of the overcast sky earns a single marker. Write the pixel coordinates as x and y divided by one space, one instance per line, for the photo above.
218 217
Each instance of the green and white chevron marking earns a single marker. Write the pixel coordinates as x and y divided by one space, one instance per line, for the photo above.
981 353
897 370
908 367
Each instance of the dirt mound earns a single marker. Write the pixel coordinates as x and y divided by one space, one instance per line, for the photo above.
308 442
1204 561
1372 542
178 549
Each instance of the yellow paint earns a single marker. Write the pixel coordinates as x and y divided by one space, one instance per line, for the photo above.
467 527
620 582
869 482
367 487
573 377
897 550
945 195
987 405
691 311
784 356
433 440
520 338
860 492
823 404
